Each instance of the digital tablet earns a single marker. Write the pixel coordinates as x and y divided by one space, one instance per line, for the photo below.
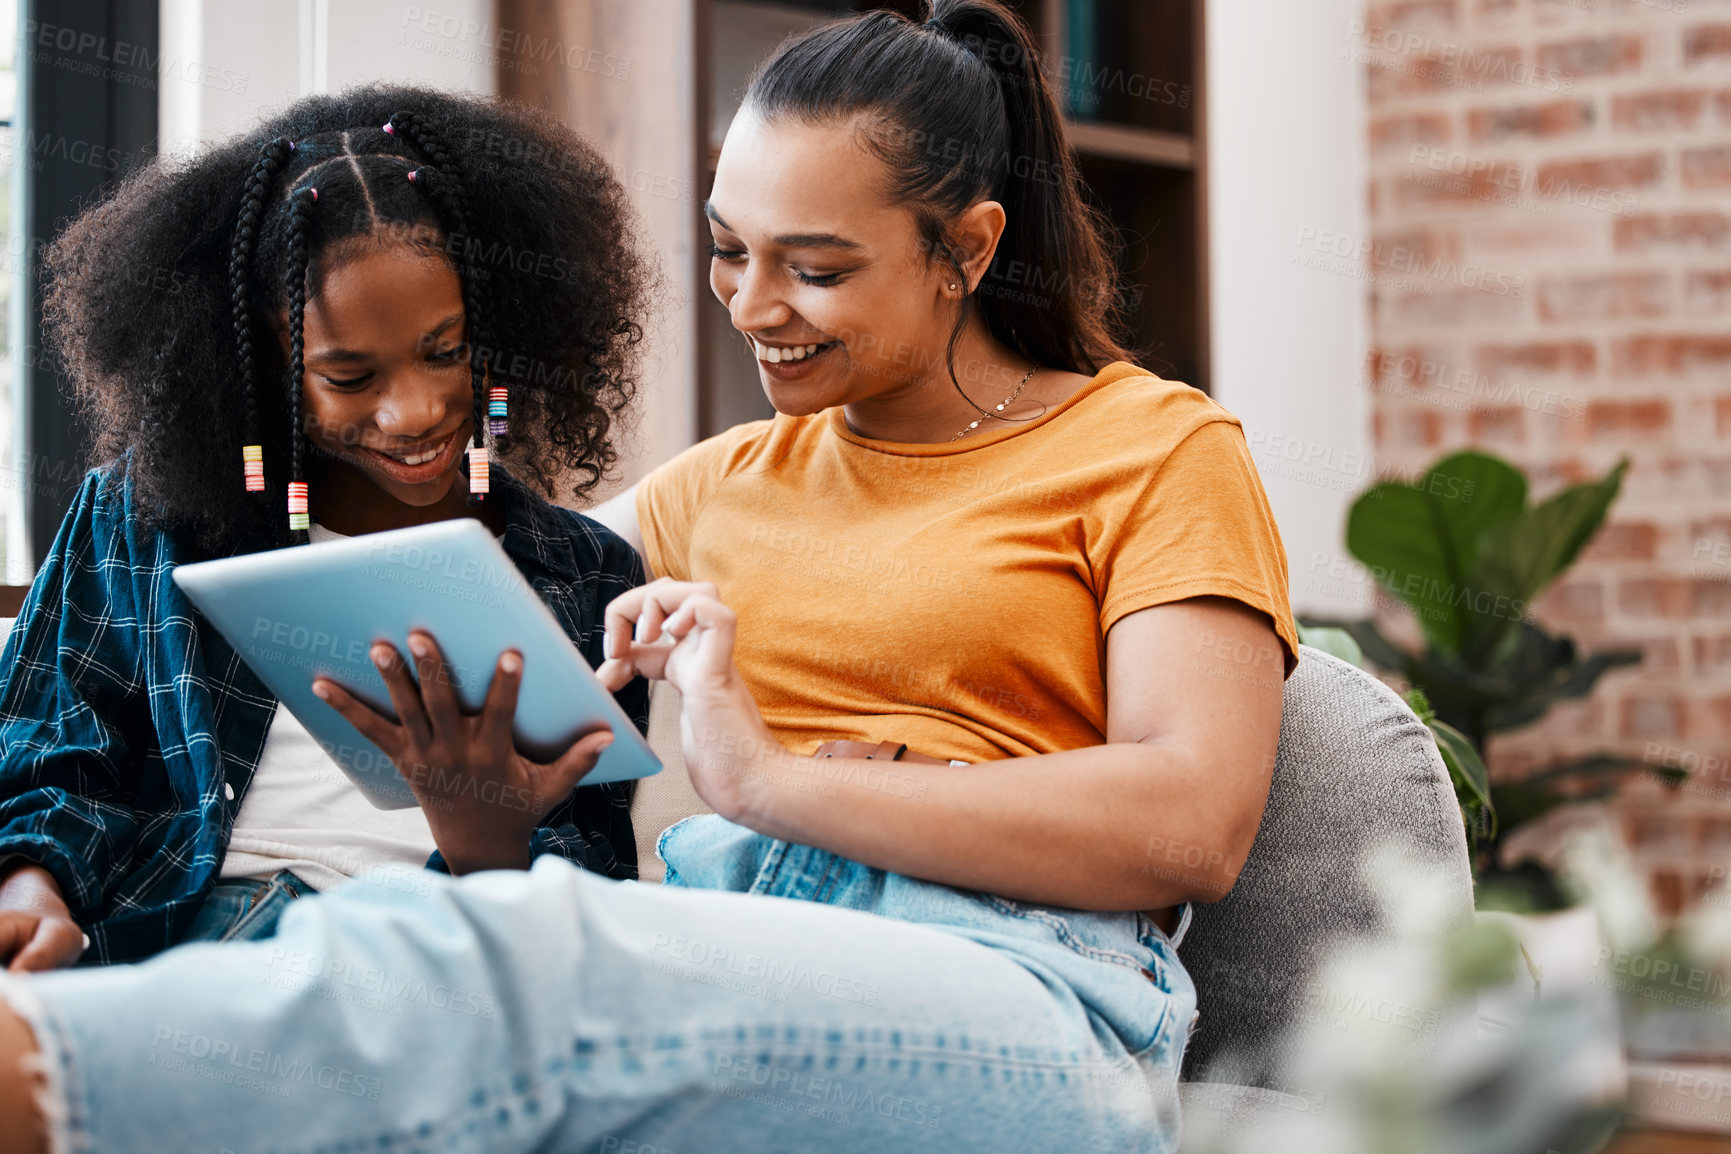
317 609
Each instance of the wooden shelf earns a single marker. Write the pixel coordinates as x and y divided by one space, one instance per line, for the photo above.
1137 145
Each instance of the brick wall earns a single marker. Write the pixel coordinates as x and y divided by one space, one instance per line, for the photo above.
1550 279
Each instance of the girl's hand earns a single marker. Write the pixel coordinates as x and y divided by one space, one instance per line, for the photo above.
36 928
482 798
680 632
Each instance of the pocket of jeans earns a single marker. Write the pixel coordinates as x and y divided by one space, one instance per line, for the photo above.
266 908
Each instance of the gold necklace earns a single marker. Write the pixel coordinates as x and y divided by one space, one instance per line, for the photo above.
1000 408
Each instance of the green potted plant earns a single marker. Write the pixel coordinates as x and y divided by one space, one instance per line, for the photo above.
1463 550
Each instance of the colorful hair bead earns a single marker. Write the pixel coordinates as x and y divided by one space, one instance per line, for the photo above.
252 459
496 414
478 471
389 131
297 505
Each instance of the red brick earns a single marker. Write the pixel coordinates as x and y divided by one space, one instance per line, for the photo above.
1673 354
1722 416
1713 530
1413 15
1603 296
1592 55
1706 42
1613 172
1653 597
1503 423
1421 186
1623 418
1420 427
1723 102
1577 357
1557 118
1467 306
1577 600
1676 231
1651 716
1624 541
1707 167
1389 133
1426 244
1709 597
1659 111
1713 655
1495 12
1707 290
1710 719
1659 655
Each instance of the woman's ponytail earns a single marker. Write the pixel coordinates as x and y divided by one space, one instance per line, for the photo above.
960 111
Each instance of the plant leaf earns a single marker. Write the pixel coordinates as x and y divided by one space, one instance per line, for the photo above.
1464 763
1332 640
1527 554
1422 541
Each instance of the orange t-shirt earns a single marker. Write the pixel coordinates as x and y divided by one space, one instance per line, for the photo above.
957 596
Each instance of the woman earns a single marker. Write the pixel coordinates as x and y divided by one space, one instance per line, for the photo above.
152 791
1038 572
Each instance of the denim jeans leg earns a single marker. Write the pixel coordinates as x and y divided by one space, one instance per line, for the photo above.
555 1010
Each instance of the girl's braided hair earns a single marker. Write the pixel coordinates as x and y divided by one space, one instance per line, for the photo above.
164 299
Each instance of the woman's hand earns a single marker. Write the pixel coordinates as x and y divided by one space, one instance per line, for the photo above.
680 632
36 929
482 798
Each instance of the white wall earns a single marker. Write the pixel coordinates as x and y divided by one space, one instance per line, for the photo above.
1286 137
238 59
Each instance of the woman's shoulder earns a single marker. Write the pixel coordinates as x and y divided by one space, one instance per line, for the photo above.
1125 403
1128 386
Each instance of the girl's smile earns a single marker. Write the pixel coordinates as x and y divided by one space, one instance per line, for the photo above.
387 388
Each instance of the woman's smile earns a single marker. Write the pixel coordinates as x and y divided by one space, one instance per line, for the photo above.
793 362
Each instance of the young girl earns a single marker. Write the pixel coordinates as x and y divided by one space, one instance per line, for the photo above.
359 316
971 532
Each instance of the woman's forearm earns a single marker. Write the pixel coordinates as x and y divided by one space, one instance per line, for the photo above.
1114 827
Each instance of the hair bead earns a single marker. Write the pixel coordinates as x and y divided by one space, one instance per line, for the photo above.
496 411
412 173
252 463
390 129
478 471
297 505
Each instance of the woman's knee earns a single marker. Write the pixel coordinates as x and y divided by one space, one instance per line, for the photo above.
23 1128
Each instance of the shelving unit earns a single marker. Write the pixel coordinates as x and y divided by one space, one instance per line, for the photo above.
1130 74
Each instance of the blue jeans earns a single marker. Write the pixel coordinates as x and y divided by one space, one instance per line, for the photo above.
245 911
821 1006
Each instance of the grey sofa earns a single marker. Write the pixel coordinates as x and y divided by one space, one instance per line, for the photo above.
1355 768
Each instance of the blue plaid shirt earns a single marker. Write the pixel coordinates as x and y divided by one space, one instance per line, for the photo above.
124 715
